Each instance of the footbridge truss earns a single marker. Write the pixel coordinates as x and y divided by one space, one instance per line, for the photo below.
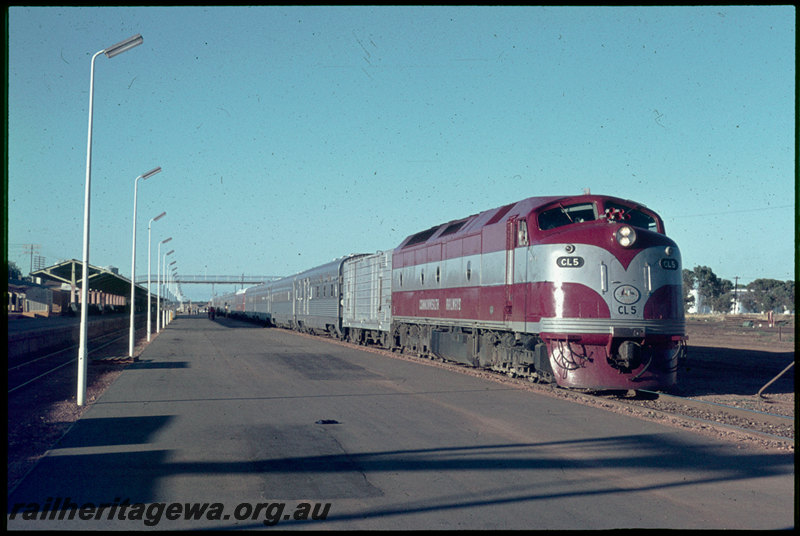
219 279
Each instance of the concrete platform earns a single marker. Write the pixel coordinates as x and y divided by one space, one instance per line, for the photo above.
223 424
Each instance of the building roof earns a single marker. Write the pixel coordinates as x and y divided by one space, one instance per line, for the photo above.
99 278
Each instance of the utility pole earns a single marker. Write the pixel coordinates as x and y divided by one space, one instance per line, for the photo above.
735 295
38 262
31 249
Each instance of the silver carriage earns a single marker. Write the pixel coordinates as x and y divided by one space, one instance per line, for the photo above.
308 301
367 298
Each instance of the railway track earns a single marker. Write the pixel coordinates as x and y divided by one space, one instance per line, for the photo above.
772 430
32 370
753 427
768 425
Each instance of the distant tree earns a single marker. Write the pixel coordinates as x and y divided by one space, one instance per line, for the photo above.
713 291
762 295
787 296
766 295
706 280
688 286
722 301
13 271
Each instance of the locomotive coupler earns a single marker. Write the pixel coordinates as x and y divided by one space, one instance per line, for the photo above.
629 355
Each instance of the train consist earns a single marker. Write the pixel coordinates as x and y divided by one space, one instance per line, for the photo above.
584 291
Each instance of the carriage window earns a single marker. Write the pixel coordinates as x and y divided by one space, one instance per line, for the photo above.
637 218
566 215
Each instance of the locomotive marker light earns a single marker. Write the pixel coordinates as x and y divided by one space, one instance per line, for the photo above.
133 255
148 271
110 52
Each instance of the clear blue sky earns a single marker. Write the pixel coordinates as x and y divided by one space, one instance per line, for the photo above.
289 136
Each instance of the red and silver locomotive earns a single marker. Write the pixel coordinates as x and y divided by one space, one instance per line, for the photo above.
584 291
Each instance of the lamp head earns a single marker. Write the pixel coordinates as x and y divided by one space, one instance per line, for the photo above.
122 46
151 173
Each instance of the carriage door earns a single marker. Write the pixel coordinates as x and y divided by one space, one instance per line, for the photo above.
294 301
305 305
516 295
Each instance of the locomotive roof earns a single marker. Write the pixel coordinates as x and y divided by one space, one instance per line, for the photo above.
472 224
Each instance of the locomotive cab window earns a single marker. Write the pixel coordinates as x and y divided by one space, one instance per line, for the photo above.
635 217
566 215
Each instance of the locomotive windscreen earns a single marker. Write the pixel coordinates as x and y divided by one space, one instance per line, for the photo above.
565 215
637 218
562 215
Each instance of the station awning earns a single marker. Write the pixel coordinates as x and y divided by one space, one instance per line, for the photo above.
71 272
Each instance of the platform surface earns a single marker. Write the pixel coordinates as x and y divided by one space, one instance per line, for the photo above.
224 424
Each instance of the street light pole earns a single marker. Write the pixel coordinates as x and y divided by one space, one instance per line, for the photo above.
159 323
158 284
164 287
148 270
168 292
110 52
133 257
176 288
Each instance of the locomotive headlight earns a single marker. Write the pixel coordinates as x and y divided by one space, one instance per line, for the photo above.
626 236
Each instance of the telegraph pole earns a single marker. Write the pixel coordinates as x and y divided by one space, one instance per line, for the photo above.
31 249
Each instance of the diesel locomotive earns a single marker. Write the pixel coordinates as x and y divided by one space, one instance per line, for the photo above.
584 291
